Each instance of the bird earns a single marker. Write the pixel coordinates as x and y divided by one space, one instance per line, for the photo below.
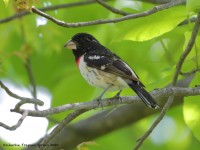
104 69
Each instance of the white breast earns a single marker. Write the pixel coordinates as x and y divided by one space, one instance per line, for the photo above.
100 78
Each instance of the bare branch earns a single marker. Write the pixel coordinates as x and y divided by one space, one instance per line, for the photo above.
49 8
31 79
177 71
157 94
103 123
155 123
22 99
14 127
66 121
187 21
112 9
105 21
158 1
187 49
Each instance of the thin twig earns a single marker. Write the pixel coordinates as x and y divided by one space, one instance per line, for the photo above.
187 49
157 94
105 21
23 99
48 8
31 79
57 129
155 123
112 9
158 1
177 71
107 121
18 124
187 21
196 56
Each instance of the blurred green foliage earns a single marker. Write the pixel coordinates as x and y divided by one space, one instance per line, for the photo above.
151 45
193 5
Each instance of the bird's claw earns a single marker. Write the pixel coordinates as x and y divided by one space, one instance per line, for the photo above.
98 99
118 97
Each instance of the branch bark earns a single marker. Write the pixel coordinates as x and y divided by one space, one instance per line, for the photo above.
23 100
112 9
49 8
158 1
157 94
105 21
107 121
18 124
102 123
66 121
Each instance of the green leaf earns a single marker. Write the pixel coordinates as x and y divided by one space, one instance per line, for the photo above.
193 5
154 25
191 111
6 2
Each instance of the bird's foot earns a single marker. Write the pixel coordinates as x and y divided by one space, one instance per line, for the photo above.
117 96
99 100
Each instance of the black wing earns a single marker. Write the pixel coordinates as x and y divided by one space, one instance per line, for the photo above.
109 62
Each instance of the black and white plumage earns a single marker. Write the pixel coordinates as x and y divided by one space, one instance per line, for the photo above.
102 68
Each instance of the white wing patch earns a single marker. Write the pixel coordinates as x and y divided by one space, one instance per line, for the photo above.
94 57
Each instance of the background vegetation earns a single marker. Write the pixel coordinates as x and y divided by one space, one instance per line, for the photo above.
32 55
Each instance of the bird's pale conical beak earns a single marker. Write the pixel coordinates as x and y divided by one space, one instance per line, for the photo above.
70 45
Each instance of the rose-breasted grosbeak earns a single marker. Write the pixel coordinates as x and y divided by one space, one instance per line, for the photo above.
102 68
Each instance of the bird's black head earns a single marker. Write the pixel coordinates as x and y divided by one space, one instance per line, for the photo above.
81 43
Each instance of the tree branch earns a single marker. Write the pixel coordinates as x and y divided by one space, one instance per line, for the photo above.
177 71
60 126
105 21
31 79
14 127
49 8
157 94
22 99
101 124
160 95
187 21
112 9
187 49
108 121
158 1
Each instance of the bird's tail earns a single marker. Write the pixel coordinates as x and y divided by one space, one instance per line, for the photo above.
144 95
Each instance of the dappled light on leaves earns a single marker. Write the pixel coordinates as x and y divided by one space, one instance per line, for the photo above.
158 39
155 25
